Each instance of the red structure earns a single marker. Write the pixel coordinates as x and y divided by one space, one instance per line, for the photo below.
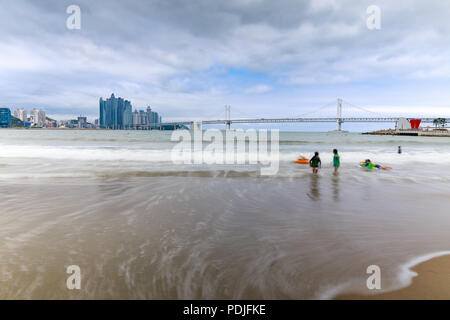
415 123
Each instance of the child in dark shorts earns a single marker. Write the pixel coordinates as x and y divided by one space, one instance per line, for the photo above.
315 163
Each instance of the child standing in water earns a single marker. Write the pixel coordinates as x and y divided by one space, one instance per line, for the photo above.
336 161
315 163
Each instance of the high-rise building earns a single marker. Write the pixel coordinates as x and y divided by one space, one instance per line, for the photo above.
136 118
142 117
115 113
37 117
21 114
153 117
5 117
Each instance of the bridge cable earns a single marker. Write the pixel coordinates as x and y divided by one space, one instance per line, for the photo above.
366 110
316 110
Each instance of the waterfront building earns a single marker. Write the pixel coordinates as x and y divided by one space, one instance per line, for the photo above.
82 122
153 117
140 117
136 118
5 117
21 114
51 123
147 117
37 117
115 113
143 118
68 123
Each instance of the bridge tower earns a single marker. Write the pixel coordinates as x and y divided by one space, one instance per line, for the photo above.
228 117
339 115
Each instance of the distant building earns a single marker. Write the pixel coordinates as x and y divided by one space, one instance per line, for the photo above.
143 118
21 114
51 123
82 122
153 117
136 118
5 117
115 113
37 117
148 117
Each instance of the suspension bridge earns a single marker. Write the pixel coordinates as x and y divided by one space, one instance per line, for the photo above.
339 119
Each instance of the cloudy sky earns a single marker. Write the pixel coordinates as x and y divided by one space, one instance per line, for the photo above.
187 59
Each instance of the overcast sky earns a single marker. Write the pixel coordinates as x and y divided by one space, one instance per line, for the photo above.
187 59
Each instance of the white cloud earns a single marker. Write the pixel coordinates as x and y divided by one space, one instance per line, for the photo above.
321 5
260 88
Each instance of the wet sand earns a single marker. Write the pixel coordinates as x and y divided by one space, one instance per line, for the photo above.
142 227
431 283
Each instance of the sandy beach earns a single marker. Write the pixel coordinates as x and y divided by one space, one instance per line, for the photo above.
431 283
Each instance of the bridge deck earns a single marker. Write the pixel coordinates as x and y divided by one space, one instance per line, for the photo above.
292 120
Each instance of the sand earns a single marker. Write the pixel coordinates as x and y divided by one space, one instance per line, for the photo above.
431 283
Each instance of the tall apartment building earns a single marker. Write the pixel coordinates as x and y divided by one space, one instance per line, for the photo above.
142 117
21 114
115 113
5 117
37 117
152 116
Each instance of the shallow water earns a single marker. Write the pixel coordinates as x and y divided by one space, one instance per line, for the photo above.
141 227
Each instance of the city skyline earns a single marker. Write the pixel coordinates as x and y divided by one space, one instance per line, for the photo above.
263 59
22 112
117 113
113 113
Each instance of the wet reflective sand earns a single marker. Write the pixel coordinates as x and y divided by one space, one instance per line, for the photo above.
165 233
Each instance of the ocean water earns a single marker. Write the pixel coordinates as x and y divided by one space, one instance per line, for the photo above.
141 227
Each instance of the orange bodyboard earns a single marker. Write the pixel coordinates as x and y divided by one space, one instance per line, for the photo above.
302 161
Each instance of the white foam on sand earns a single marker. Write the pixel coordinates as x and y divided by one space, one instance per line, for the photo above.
406 274
404 278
